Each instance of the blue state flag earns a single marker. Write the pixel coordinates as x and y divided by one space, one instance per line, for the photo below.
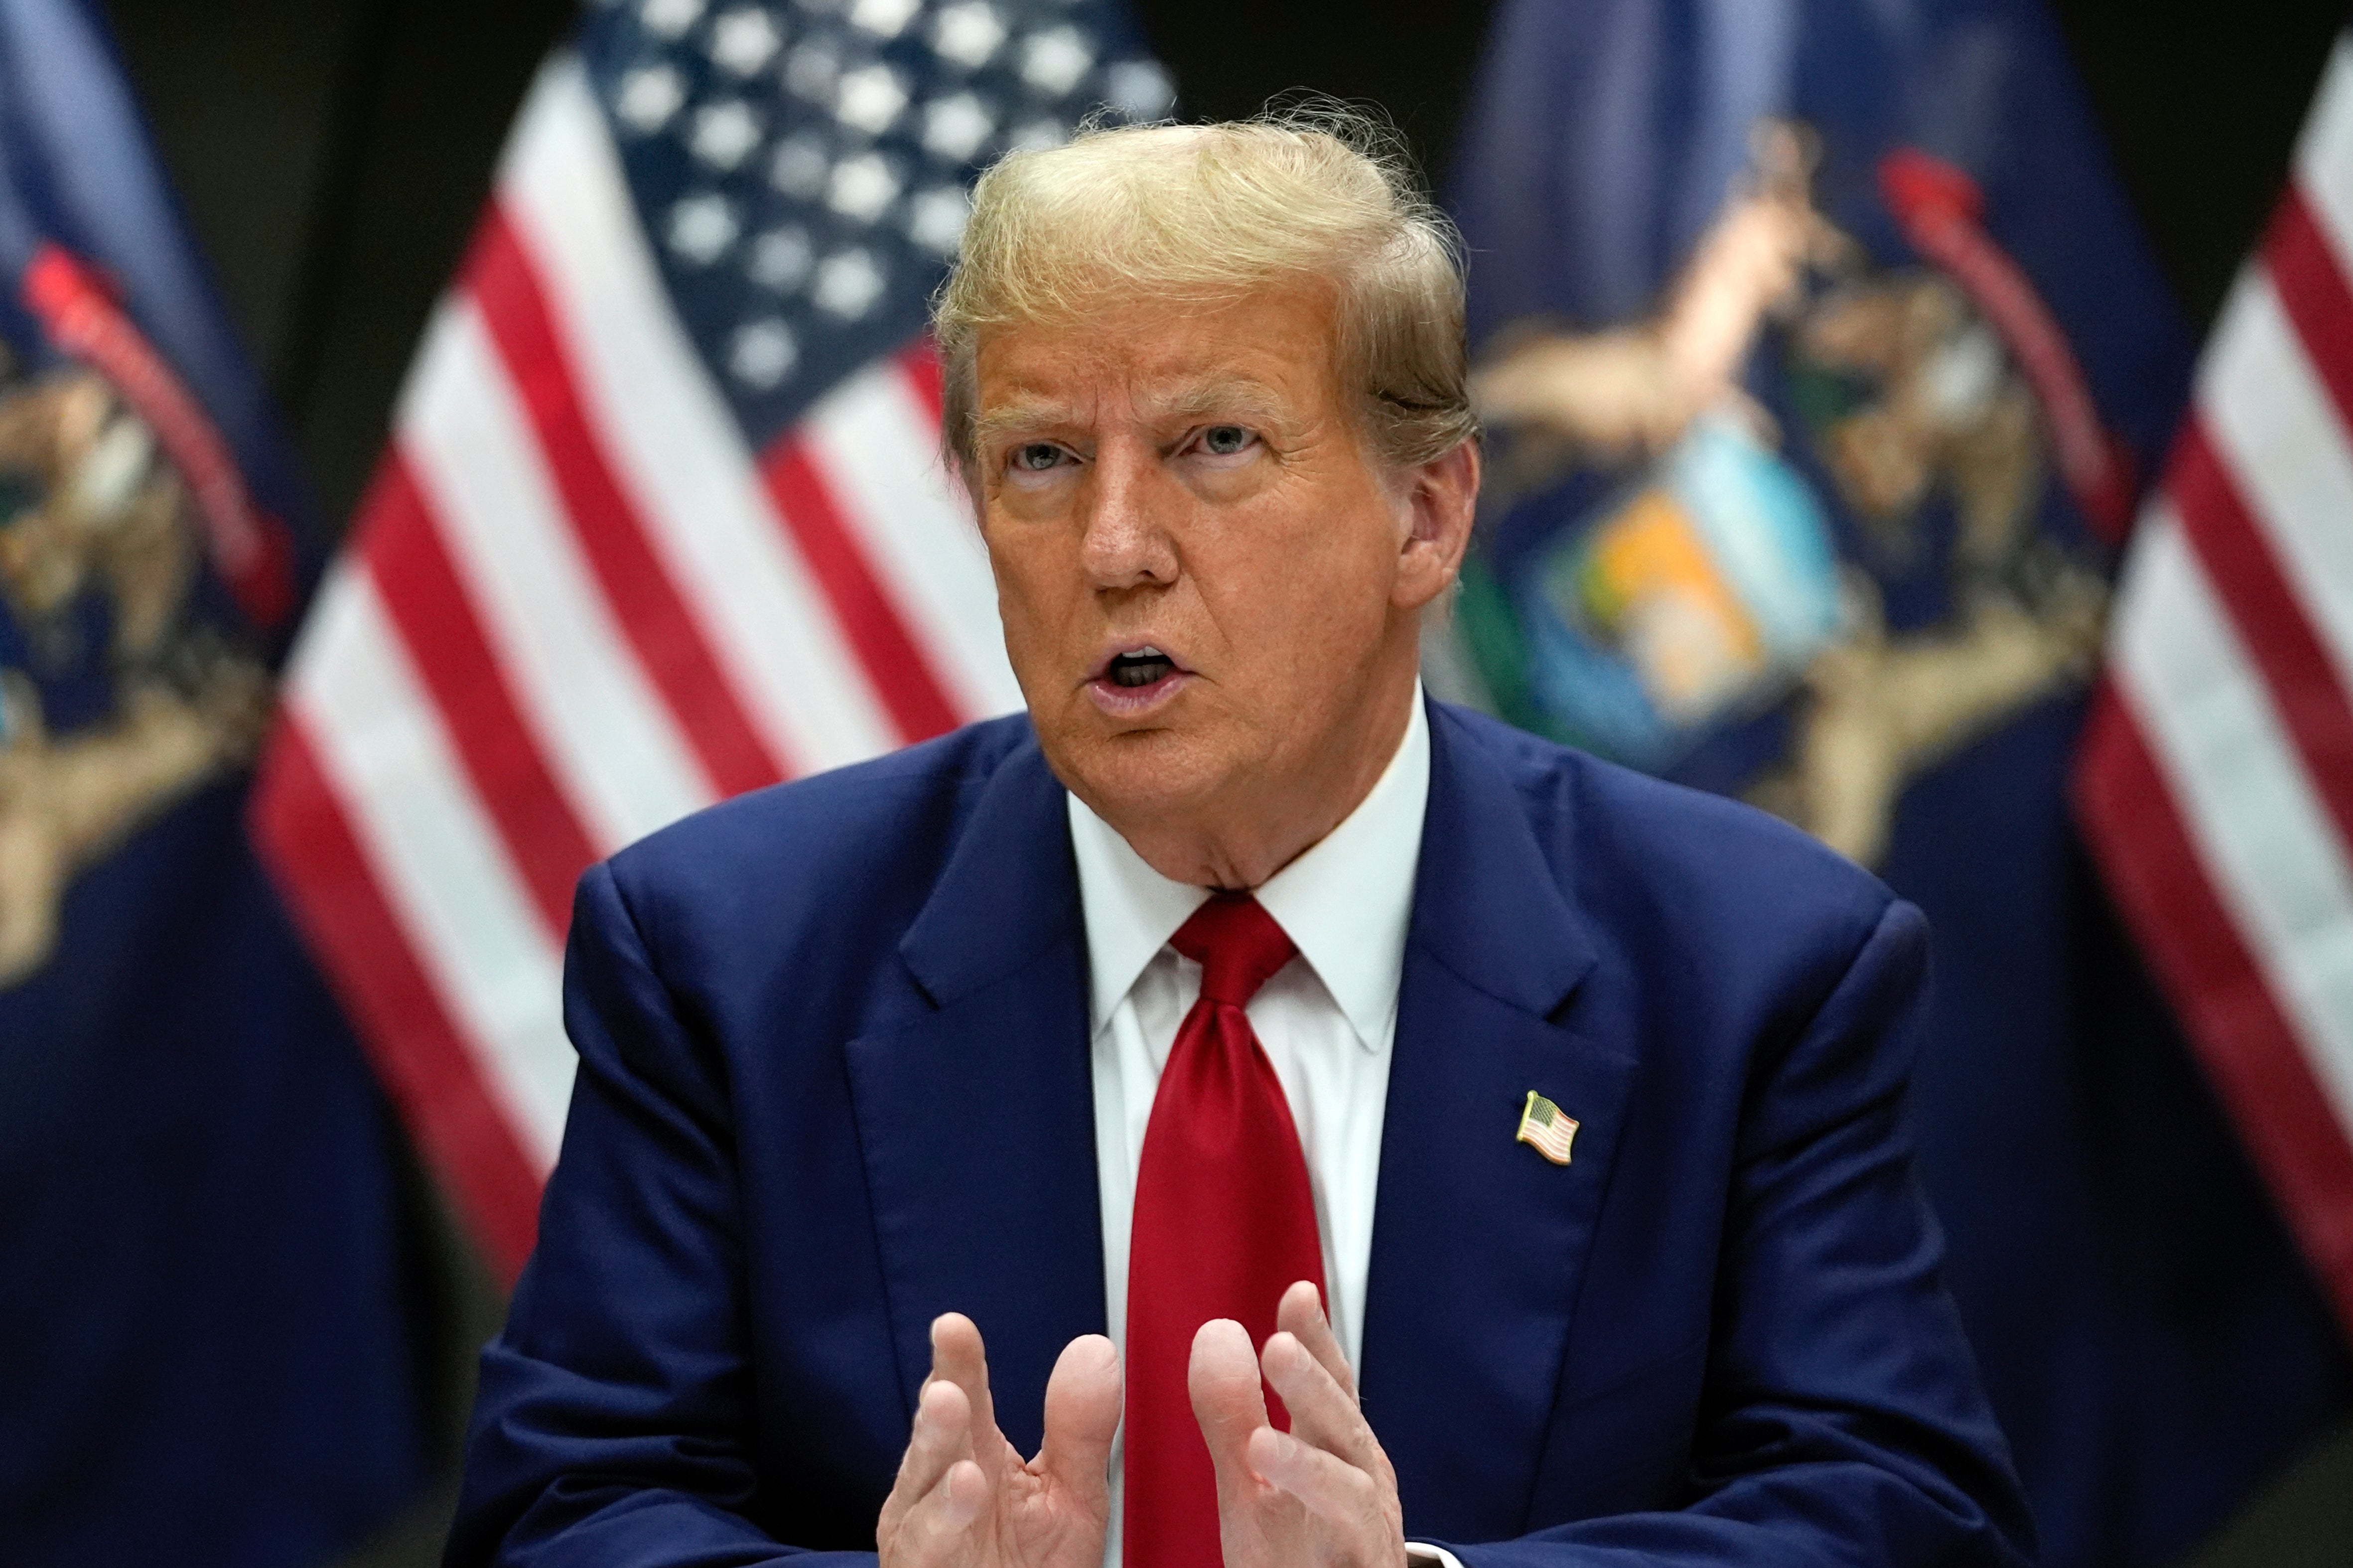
202 1352
1823 366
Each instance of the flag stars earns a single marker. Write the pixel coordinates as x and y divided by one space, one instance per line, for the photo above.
847 284
648 97
1039 135
871 99
968 34
884 18
725 133
811 71
781 257
669 18
955 128
1054 61
824 148
1139 88
701 227
763 354
935 219
799 166
743 41
862 188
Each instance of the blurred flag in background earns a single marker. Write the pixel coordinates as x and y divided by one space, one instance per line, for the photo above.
202 1357
663 517
2217 775
1823 365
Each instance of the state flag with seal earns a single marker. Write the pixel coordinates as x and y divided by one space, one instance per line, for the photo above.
1824 368
204 1350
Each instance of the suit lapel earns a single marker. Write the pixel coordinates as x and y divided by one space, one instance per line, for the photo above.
1479 1243
977 1119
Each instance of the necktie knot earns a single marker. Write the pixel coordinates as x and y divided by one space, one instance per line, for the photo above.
1236 944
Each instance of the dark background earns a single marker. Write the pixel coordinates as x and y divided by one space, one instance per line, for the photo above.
331 154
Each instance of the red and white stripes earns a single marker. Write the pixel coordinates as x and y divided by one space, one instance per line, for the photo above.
575 607
2217 776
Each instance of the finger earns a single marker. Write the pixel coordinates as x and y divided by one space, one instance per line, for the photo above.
937 1531
958 1357
1082 1399
1321 1412
1329 1488
1223 1380
941 1436
1301 1314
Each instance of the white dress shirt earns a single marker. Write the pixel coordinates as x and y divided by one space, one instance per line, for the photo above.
1327 1020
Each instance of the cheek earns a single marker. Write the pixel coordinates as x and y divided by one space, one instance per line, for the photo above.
1302 590
1028 554
1038 588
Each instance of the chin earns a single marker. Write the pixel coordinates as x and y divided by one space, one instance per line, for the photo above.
1140 772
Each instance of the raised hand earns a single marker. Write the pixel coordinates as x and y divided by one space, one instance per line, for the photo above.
1323 1494
965 1498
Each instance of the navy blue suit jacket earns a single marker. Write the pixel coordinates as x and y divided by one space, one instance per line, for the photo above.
834 1080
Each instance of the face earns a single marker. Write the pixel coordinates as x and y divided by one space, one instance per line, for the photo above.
1210 588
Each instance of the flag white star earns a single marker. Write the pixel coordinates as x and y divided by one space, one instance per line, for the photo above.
884 18
969 33
1140 90
870 99
781 257
744 40
862 188
811 70
935 219
648 97
1053 61
701 227
1039 135
799 166
764 353
670 18
725 133
847 284
955 128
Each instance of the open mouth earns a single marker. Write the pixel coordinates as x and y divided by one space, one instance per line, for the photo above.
1141 668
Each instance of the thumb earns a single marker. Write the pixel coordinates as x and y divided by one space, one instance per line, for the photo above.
1227 1400
1082 1400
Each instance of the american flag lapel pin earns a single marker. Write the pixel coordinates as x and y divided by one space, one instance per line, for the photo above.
1546 1129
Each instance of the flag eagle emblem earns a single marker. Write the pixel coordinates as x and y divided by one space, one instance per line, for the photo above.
1545 1128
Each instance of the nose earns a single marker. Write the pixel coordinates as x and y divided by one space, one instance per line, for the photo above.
1127 543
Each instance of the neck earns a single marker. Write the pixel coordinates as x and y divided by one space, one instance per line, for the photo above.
1241 845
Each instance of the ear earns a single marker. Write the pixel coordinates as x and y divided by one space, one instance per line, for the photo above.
1441 499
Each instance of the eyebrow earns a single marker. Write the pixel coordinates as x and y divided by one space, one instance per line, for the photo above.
1240 395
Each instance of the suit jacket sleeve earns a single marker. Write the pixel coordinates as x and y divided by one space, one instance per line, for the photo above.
613 1420
1841 1417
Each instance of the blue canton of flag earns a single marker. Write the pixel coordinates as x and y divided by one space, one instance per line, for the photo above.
802 167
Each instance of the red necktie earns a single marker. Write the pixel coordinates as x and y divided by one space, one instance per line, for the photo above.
1224 1222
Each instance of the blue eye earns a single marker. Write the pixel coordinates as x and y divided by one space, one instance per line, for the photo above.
1225 441
1037 457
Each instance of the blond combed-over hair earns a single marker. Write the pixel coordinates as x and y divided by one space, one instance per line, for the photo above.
1205 214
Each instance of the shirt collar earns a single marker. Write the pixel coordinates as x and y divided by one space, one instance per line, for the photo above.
1346 902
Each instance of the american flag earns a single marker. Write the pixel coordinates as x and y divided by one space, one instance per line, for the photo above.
1546 1129
662 518
2216 783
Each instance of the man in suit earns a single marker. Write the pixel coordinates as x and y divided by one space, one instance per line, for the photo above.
1311 1124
